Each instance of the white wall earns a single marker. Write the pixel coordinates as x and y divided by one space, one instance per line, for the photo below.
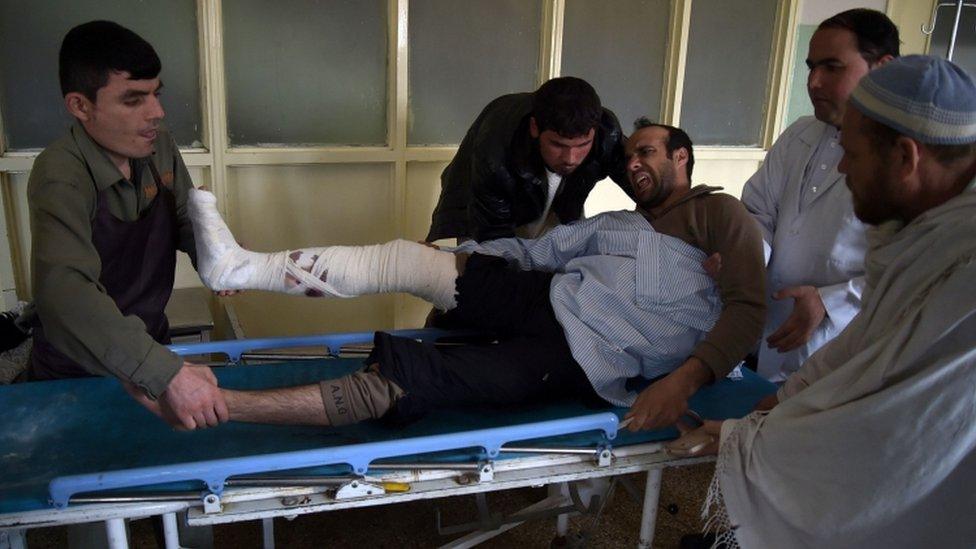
812 12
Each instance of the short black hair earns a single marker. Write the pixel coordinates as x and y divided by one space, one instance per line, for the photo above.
91 50
566 105
877 35
677 139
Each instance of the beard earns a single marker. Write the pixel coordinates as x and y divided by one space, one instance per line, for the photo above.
872 202
661 187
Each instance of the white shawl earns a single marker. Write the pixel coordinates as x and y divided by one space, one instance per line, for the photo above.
874 442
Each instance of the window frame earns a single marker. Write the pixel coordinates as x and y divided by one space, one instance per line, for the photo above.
216 157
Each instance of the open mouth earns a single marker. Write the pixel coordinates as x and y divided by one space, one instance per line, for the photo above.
641 182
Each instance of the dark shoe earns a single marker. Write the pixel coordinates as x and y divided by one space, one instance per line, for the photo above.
10 334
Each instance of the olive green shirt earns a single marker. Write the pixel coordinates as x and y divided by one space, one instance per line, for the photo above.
78 316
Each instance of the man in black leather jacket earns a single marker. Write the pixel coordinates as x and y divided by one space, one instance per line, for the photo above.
528 163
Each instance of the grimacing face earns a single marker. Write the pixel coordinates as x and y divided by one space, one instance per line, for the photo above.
836 66
124 118
870 177
561 154
650 169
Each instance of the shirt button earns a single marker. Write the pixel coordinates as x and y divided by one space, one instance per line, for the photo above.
814 189
833 144
823 166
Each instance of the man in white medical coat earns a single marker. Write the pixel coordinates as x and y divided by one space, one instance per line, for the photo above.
815 243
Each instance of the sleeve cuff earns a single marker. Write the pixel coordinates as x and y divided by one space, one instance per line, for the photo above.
156 371
842 301
714 359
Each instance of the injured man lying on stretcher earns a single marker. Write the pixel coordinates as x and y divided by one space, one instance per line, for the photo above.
586 311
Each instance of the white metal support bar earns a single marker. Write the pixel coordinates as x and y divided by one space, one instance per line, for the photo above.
553 501
116 534
560 490
171 532
267 533
13 539
652 492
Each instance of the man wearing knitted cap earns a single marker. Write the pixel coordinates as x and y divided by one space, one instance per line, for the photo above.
873 442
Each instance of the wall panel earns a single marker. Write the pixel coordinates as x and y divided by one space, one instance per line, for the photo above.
287 207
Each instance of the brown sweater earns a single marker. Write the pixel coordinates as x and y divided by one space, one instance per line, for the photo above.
717 222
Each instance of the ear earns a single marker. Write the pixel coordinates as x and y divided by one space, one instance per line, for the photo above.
884 59
533 128
78 106
906 156
679 157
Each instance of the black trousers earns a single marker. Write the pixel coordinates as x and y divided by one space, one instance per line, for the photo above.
530 362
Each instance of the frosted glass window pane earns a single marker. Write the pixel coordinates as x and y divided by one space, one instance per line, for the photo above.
306 72
620 51
31 34
965 51
727 74
463 54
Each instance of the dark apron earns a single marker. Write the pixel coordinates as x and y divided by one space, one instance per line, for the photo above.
138 267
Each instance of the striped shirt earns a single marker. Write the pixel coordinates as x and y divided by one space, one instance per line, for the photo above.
632 301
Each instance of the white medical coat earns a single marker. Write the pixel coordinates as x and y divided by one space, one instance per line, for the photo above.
814 239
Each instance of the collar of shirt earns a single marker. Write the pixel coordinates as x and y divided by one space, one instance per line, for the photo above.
103 170
553 178
972 185
816 131
693 193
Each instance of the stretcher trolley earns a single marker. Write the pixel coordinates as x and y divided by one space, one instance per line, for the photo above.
81 450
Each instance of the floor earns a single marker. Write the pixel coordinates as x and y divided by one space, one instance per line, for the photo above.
410 525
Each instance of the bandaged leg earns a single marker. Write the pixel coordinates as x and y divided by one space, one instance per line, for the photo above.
334 271
357 397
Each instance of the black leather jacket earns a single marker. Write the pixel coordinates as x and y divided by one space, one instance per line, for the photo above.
497 179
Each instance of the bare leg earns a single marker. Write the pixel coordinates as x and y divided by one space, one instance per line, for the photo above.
335 271
362 395
300 405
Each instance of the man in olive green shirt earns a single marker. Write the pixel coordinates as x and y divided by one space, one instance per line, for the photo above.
108 212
